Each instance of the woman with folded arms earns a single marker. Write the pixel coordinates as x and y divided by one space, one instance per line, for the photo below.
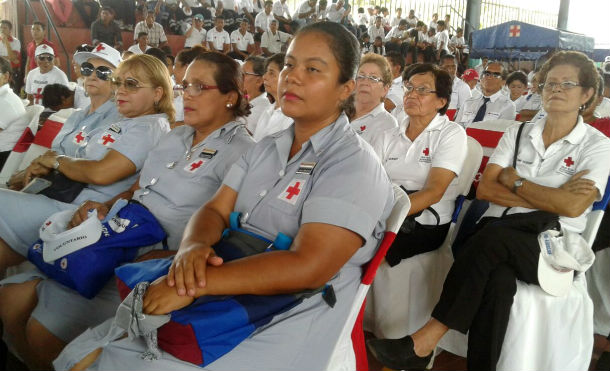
561 169
335 229
179 175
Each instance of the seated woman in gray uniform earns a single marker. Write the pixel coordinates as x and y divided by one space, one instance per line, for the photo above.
560 168
317 182
109 164
179 175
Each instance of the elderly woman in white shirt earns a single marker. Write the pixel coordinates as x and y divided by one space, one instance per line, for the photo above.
424 156
13 109
372 84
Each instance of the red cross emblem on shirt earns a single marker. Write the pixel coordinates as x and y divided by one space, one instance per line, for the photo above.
568 161
426 151
100 47
363 128
292 192
79 137
107 139
37 96
514 31
196 165
48 223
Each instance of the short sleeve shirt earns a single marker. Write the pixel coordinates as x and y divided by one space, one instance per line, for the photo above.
178 178
31 49
274 42
10 121
395 94
459 94
584 148
263 20
374 32
156 35
135 49
133 138
280 9
442 37
36 81
441 145
218 39
242 41
271 121
259 105
197 37
499 107
76 131
376 121
15 46
533 102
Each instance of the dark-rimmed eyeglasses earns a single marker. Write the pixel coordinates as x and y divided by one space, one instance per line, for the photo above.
195 89
131 85
497 75
48 58
420 90
102 72
564 85
369 78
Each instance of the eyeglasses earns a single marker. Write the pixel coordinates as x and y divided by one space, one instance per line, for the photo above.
48 58
564 85
102 72
408 89
370 78
251 74
195 89
130 84
497 75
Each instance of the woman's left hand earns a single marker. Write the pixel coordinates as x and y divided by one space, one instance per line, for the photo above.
47 160
507 177
163 299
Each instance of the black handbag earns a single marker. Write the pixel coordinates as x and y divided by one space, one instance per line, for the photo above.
62 188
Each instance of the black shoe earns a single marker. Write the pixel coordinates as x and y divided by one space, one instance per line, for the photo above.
398 353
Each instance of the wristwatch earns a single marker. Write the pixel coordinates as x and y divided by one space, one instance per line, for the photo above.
56 164
518 183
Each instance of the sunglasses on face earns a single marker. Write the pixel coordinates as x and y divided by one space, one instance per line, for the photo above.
102 72
497 75
131 85
43 58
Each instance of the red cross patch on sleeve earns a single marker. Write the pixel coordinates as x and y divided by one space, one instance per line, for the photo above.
293 191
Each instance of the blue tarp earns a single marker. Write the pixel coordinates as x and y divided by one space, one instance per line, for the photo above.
519 40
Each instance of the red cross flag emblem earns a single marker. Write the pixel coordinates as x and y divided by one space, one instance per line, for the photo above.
363 128
568 161
426 151
106 139
100 47
78 138
37 96
514 30
194 165
293 191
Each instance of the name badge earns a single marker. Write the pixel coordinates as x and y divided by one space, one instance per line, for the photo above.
306 168
116 128
207 153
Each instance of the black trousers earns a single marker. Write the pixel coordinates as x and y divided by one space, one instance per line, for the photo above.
422 239
479 289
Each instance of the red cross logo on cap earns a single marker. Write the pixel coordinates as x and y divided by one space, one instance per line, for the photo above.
100 47
363 128
514 31
79 137
37 96
107 139
426 151
44 46
568 161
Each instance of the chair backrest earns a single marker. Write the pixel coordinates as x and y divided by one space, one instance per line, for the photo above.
401 208
30 122
44 138
594 218
488 134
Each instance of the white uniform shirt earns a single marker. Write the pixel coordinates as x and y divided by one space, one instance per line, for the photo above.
135 49
519 103
499 107
263 20
460 93
242 41
197 37
374 122
335 14
442 145
36 81
228 4
603 109
303 8
280 9
442 37
374 32
395 32
271 121
10 123
363 20
15 46
395 21
433 25
395 94
584 148
532 102
259 105
274 42
245 4
412 22
218 39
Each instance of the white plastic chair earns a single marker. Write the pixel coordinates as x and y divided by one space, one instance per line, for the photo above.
29 121
403 297
348 355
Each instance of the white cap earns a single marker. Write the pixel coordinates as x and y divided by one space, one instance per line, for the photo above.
102 51
59 242
43 49
561 253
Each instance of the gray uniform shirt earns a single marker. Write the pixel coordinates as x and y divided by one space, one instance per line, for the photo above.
346 187
177 179
131 137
